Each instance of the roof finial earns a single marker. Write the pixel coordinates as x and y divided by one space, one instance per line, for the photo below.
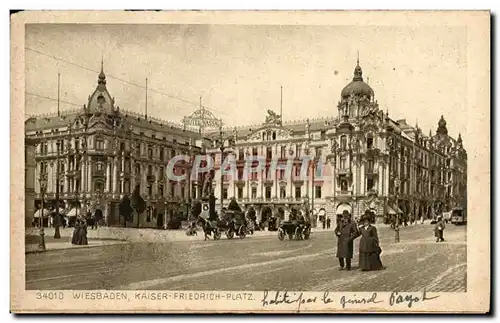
358 59
102 63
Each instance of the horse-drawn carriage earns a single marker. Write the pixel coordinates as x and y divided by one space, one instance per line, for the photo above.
231 223
300 230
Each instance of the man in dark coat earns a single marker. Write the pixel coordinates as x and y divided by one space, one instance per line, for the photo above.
439 229
346 232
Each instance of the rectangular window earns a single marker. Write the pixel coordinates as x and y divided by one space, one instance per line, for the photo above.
77 143
369 184
269 152
254 151
183 191
162 154
369 142
298 192
240 192
127 186
99 144
343 163
297 150
160 190
268 192
254 192
224 193
318 152
241 154
317 192
343 142
283 152
150 190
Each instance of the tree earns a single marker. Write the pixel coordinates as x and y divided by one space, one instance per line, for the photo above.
137 203
125 209
233 205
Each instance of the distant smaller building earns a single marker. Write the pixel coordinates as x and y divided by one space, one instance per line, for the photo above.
29 181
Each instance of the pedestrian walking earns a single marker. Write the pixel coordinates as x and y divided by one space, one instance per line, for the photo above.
439 229
369 247
346 232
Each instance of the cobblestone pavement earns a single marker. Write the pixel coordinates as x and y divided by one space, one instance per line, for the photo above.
417 262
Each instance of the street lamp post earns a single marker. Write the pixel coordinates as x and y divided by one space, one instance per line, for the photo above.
57 220
43 187
396 227
222 148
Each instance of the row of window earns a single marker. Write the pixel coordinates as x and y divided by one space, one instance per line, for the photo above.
283 152
268 192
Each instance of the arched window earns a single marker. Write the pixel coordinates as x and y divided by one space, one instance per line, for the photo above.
274 135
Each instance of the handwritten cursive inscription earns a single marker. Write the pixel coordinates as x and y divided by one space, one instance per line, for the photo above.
277 298
359 300
408 299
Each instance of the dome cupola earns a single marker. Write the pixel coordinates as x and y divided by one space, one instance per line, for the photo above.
357 86
442 130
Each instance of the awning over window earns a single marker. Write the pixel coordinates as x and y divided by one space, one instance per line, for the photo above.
73 212
392 210
38 213
344 207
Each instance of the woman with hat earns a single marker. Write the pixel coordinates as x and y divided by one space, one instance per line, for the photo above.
369 248
346 232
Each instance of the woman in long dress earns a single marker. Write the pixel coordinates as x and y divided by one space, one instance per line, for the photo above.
82 237
76 233
369 248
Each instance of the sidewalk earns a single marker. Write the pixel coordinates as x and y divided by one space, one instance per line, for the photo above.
32 238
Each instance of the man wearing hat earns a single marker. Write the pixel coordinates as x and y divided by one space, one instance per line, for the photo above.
439 229
346 232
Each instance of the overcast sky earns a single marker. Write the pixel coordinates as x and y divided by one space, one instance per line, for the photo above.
416 73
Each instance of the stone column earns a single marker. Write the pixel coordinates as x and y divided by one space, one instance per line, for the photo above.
386 179
362 180
380 179
355 179
115 175
108 176
89 177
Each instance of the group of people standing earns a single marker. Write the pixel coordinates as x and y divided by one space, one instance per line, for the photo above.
80 233
347 231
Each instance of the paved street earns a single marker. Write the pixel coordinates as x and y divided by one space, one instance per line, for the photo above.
257 263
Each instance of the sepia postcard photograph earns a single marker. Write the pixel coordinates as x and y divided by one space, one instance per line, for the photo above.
250 162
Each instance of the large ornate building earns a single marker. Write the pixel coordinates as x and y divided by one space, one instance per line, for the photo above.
104 153
360 159
357 160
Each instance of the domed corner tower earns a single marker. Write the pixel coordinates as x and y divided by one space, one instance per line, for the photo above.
356 97
100 107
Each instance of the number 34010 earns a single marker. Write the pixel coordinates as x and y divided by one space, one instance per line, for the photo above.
49 295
